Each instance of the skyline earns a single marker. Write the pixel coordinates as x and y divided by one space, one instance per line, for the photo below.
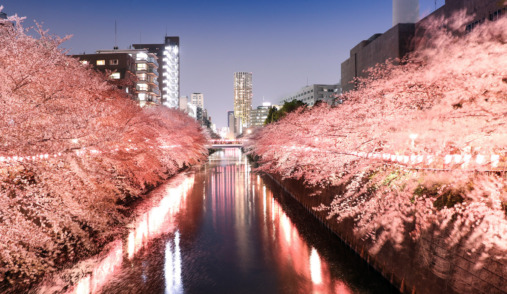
284 44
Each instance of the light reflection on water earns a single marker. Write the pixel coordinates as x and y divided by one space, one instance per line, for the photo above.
221 229
158 220
172 267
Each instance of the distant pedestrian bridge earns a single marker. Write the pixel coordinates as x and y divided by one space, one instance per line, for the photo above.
225 143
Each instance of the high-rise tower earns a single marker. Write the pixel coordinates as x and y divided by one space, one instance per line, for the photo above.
243 97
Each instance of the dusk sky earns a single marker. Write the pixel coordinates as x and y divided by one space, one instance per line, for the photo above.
283 43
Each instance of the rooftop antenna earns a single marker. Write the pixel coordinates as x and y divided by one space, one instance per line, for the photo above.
306 81
435 4
166 30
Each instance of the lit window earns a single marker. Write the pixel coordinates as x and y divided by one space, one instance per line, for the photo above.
101 62
115 76
84 62
142 56
113 62
142 87
142 66
141 96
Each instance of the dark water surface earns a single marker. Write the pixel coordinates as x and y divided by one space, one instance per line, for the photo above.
224 229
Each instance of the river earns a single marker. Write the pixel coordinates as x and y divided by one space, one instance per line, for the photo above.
221 228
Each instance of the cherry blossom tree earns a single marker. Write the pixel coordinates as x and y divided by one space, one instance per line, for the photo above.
79 151
446 103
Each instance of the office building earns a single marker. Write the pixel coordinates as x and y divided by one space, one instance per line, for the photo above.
243 97
234 125
259 115
316 92
197 99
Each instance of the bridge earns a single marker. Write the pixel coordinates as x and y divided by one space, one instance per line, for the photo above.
216 144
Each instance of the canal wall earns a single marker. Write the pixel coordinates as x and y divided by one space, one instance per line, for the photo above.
426 265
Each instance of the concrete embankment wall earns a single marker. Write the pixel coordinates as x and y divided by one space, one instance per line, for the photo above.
426 265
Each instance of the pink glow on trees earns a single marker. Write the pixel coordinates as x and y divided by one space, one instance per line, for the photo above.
86 149
444 106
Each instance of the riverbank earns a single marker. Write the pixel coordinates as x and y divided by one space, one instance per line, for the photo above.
46 229
424 265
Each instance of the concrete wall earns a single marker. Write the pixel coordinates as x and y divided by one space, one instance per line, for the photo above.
394 43
427 265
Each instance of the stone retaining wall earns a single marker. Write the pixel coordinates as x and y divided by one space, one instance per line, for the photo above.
427 265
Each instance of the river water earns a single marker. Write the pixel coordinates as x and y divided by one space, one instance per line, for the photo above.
222 228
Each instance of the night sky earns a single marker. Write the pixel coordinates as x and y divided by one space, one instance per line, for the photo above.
283 43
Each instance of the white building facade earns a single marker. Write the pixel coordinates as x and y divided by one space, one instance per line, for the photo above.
197 99
316 92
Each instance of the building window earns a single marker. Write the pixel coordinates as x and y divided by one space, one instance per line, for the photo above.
84 62
142 77
142 87
142 66
101 62
115 76
471 26
113 62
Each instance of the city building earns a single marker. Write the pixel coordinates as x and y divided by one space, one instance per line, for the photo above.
199 113
397 42
197 99
147 91
183 104
259 115
192 110
243 97
234 125
122 66
169 69
3 15
480 11
313 93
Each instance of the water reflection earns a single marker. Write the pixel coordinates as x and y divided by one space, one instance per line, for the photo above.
172 266
222 229
156 220
296 260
